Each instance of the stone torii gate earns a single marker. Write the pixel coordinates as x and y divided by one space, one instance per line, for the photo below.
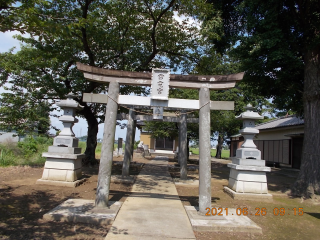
160 81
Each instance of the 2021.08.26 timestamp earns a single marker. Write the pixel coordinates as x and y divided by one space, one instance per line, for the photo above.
258 212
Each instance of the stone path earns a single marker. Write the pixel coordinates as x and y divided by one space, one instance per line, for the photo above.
153 210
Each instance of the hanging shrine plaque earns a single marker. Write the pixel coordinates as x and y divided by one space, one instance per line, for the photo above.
160 84
158 113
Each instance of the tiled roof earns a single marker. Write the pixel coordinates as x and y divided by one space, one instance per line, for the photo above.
281 122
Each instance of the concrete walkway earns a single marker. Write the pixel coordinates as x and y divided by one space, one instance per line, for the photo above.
153 210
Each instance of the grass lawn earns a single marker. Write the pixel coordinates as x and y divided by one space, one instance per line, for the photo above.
224 154
98 148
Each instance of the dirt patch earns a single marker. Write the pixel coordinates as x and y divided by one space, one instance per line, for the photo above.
282 219
23 203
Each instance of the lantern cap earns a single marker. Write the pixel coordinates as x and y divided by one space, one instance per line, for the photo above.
249 114
69 102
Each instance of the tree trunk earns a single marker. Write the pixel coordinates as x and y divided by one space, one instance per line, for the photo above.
90 158
219 146
308 182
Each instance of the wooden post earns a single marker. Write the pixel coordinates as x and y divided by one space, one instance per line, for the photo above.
120 146
183 146
133 137
204 151
104 177
128 147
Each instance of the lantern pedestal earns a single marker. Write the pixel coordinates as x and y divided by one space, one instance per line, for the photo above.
248 180
63 165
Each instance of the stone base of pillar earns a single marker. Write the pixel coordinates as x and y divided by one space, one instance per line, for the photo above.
189 181
121 179
61 183
248 179
62 167
227 222
248 196
83 211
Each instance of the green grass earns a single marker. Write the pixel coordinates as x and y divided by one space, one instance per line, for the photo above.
225 153
98 148
82 145
27 152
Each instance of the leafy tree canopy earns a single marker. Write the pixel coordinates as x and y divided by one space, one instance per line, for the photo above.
123 35
278 43
19 113
272 38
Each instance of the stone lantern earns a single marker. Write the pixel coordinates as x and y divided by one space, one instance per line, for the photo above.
247 179
64 159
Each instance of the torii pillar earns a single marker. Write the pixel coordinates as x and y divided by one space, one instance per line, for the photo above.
129 144
204 151
104 178
183 150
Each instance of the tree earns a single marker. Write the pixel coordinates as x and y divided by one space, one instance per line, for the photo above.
24 114
224 123
278 43
13 13
123 35
161 129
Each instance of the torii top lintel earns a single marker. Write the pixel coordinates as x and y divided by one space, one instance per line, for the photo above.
214 82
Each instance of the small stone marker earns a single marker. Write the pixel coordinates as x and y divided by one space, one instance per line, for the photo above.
64 159
120 143
247 179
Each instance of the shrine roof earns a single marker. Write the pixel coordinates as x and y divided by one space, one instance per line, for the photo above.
286 121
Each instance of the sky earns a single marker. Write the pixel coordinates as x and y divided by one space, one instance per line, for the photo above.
80 129
7 41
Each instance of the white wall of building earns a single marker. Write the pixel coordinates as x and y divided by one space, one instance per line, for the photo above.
278 134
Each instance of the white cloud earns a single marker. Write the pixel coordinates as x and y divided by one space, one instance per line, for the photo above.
7 41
